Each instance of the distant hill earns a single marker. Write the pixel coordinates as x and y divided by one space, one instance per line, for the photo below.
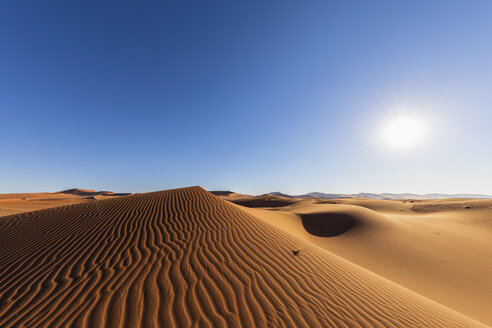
379 196
277 193
88 192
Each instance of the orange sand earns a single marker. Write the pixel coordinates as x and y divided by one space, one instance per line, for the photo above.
26 202
186 258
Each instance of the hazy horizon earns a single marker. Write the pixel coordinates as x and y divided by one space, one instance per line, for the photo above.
250 97
263 193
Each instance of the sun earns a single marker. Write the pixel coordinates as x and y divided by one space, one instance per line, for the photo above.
403 132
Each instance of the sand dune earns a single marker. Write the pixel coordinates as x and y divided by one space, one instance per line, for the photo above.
185 258
26 202
438 248
261 201
78 191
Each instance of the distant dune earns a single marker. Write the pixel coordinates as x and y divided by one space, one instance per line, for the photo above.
77 191
185 258
87 192
25 202
322 195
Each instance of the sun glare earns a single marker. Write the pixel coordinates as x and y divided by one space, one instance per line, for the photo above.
403 132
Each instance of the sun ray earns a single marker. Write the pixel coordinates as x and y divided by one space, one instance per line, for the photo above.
403 131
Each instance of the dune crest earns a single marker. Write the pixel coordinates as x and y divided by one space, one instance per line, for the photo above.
183 258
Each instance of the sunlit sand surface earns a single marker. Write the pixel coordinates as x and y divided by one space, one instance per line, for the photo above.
26 202
187 258
440 249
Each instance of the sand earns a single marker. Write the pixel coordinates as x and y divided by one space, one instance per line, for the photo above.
27 202
186 258
441 249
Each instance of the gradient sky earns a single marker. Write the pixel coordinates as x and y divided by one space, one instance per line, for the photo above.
249 96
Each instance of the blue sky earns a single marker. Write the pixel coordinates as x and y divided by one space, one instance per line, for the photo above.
248 96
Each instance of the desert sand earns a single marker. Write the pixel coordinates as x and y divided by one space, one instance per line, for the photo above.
186 258
441 249
26 202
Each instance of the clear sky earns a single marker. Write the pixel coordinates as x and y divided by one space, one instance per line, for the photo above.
251 96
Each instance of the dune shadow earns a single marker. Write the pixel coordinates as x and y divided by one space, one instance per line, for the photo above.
327 224
221 192
261 202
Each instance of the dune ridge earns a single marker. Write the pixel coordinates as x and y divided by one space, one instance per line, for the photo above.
185 258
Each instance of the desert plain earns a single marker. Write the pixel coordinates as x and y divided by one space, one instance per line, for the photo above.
191 258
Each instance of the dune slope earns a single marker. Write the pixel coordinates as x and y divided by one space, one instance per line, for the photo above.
439 249
185 258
